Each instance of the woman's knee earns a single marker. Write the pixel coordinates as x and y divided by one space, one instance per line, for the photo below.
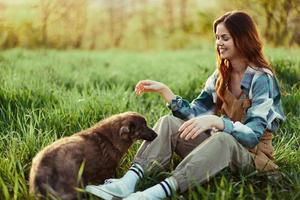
168 123
170 120
223 137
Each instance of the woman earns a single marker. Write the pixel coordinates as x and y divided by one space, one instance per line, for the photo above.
230 124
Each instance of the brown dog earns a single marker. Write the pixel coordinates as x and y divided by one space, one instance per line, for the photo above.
55 170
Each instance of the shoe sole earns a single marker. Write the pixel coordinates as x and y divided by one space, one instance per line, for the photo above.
100 193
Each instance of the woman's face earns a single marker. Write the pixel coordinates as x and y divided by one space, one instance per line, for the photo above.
225 44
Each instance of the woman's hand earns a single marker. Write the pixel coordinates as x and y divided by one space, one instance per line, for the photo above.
149 86
156 87
193 127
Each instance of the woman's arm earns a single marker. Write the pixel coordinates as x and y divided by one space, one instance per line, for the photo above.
203 104
261 114
181 108
193 127
257 117
156 87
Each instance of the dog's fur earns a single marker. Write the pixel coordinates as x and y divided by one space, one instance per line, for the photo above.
55 169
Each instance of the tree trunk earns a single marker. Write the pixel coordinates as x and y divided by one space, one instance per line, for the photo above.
183 6
45 13
111 13
145 23
170 15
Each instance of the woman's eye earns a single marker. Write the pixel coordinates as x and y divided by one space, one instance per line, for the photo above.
225 38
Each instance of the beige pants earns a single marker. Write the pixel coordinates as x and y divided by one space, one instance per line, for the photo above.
203 156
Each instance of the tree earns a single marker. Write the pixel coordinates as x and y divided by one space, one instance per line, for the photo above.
280 18
47 8
117 20
183 15
169 9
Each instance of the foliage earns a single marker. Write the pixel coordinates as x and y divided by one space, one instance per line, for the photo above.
138 25
45 95
278 19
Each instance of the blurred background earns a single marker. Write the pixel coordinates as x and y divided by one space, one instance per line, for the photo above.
137 24
66 64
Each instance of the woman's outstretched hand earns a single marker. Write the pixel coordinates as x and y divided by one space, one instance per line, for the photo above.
149 86
155 87
195 126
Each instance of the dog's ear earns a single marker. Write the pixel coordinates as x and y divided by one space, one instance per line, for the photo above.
124 131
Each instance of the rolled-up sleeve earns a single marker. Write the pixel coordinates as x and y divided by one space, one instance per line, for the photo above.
251 130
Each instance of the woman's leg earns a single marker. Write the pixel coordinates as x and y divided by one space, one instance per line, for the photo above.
160 150
219 151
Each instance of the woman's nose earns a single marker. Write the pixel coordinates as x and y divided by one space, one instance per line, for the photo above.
219 42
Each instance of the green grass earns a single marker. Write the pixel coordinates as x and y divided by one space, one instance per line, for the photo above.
45 95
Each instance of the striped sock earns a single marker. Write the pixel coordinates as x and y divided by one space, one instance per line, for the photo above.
163 189
137 169
132 176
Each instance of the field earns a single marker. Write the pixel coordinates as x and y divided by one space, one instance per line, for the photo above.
47 94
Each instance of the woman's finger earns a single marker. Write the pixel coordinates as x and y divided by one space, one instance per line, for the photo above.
139 89
186 130
142 83
145 86
191 133
149 87
199 131
185 124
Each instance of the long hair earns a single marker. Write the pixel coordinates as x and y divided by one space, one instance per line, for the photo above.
246 40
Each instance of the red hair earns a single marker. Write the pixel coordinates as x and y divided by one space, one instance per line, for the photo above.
246 40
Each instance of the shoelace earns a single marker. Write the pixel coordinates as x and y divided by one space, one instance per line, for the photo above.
107 181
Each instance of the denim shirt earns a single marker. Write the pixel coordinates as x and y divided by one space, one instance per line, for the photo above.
265 112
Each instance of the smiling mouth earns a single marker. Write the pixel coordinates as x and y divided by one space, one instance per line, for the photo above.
222 50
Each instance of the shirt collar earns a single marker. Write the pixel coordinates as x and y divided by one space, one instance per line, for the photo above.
249 74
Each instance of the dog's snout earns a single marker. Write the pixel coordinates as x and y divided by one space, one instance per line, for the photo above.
149 135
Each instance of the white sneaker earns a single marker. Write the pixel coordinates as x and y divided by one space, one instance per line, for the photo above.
141 196
110 190
107 181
